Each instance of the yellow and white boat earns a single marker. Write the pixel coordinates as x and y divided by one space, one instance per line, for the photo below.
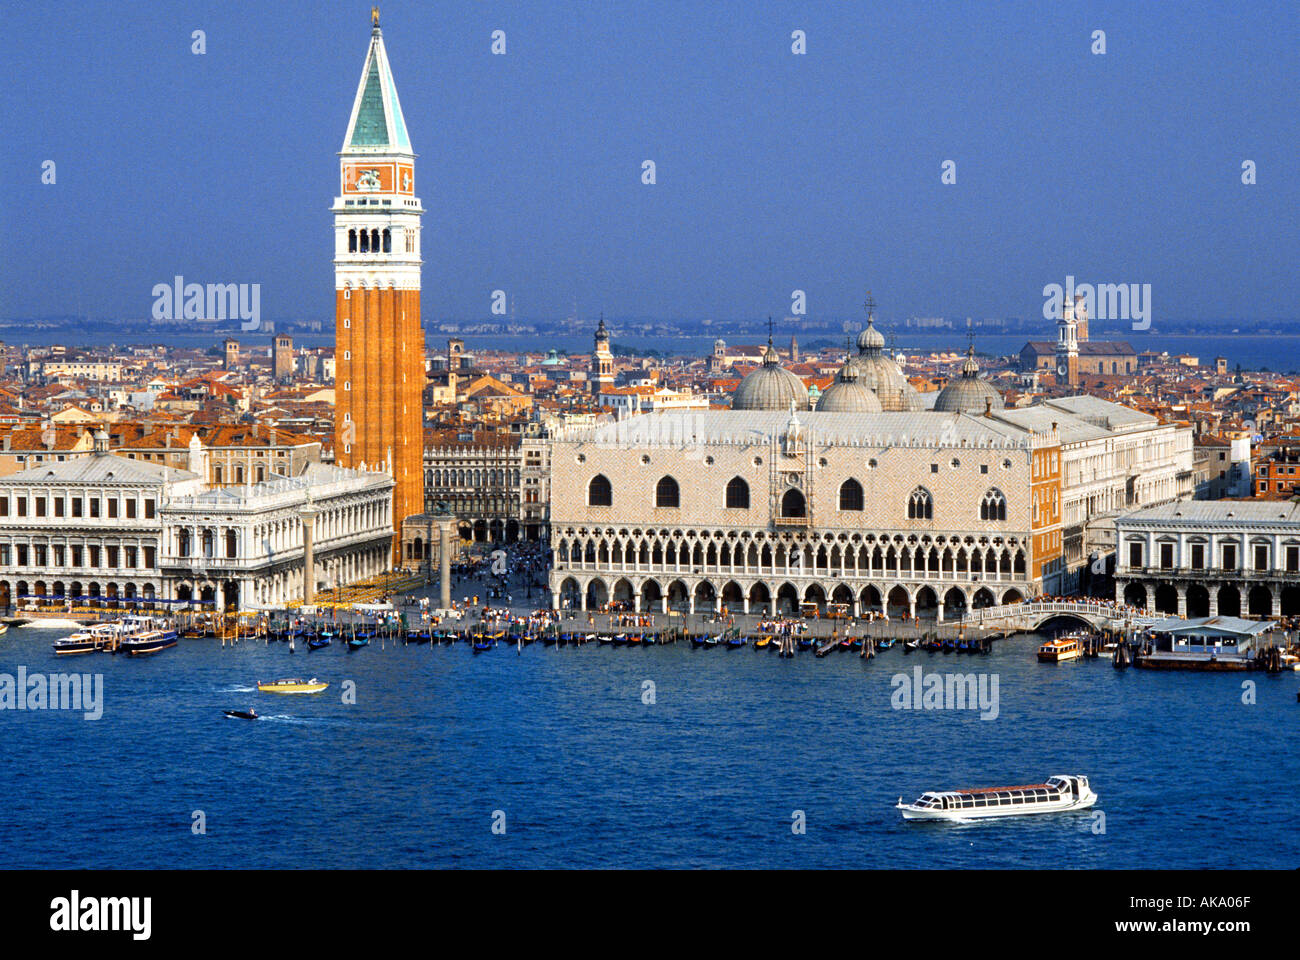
291 686
1060 650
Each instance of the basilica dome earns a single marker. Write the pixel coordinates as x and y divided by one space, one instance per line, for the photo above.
968 393
847 394
881 375
770 387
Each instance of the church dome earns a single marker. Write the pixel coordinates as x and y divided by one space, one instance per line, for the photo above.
847 394
870 338
968 393
770 387
880 374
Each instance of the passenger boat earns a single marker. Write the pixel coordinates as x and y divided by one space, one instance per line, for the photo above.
291 686
1062 648
98 636
146 635
241 714
1059 794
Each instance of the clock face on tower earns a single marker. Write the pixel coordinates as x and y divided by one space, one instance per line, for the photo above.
1062 368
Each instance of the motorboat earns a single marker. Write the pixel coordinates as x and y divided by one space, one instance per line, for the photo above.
241 714
291 686
1061 649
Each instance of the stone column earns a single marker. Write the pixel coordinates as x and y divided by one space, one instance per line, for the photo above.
444 563
308 516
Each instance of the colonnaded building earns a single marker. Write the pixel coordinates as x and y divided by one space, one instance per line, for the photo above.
865 501
1203 558
110 527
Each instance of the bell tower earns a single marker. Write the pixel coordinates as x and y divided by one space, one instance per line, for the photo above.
1067 347
378 341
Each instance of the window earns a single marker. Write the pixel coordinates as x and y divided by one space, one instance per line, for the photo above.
94 509
737 494
149 509
1229 556
40 506
920 505
993 506
1198 556
1292 559
22 506
793 504
667 493
599 492
58 506
77 506
850 495
112 508
1166 556
1261 556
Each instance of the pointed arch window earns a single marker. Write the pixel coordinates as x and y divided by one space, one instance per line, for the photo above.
850 495
667 493
737 494
599 492
920 505
993 506
793 503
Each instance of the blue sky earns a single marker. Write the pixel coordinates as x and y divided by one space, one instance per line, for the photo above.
775 172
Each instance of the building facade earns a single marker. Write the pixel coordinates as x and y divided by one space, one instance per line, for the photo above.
108 527
922 514
1199 558
379 344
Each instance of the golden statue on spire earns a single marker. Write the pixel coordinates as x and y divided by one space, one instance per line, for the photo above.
374 16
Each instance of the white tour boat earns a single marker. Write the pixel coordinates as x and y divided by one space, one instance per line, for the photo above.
1060 793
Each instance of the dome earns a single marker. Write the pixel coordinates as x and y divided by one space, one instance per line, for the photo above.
881 375
847 394
870 338
770 387
968 393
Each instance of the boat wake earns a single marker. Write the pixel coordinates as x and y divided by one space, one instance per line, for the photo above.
236 689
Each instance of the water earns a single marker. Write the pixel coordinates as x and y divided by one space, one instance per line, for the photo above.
588 775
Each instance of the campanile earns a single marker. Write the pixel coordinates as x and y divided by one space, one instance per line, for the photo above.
378 343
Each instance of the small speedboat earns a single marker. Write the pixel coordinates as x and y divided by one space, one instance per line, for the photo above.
241 714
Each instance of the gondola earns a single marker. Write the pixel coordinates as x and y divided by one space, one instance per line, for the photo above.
762 642
481 645
241 714
357 642
315 643
735 641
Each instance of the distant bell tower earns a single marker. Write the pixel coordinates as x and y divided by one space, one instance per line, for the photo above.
1067 347
378 342
282 356
1080 318
231 347
602 360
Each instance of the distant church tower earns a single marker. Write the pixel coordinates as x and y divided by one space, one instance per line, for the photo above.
231 346
1067 347
794 349
282 356
378 342
602 361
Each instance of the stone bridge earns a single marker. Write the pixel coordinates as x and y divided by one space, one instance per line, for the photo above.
1028 616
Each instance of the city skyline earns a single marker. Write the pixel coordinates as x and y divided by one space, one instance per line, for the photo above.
533 158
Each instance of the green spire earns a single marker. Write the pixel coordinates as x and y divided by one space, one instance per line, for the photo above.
377 119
